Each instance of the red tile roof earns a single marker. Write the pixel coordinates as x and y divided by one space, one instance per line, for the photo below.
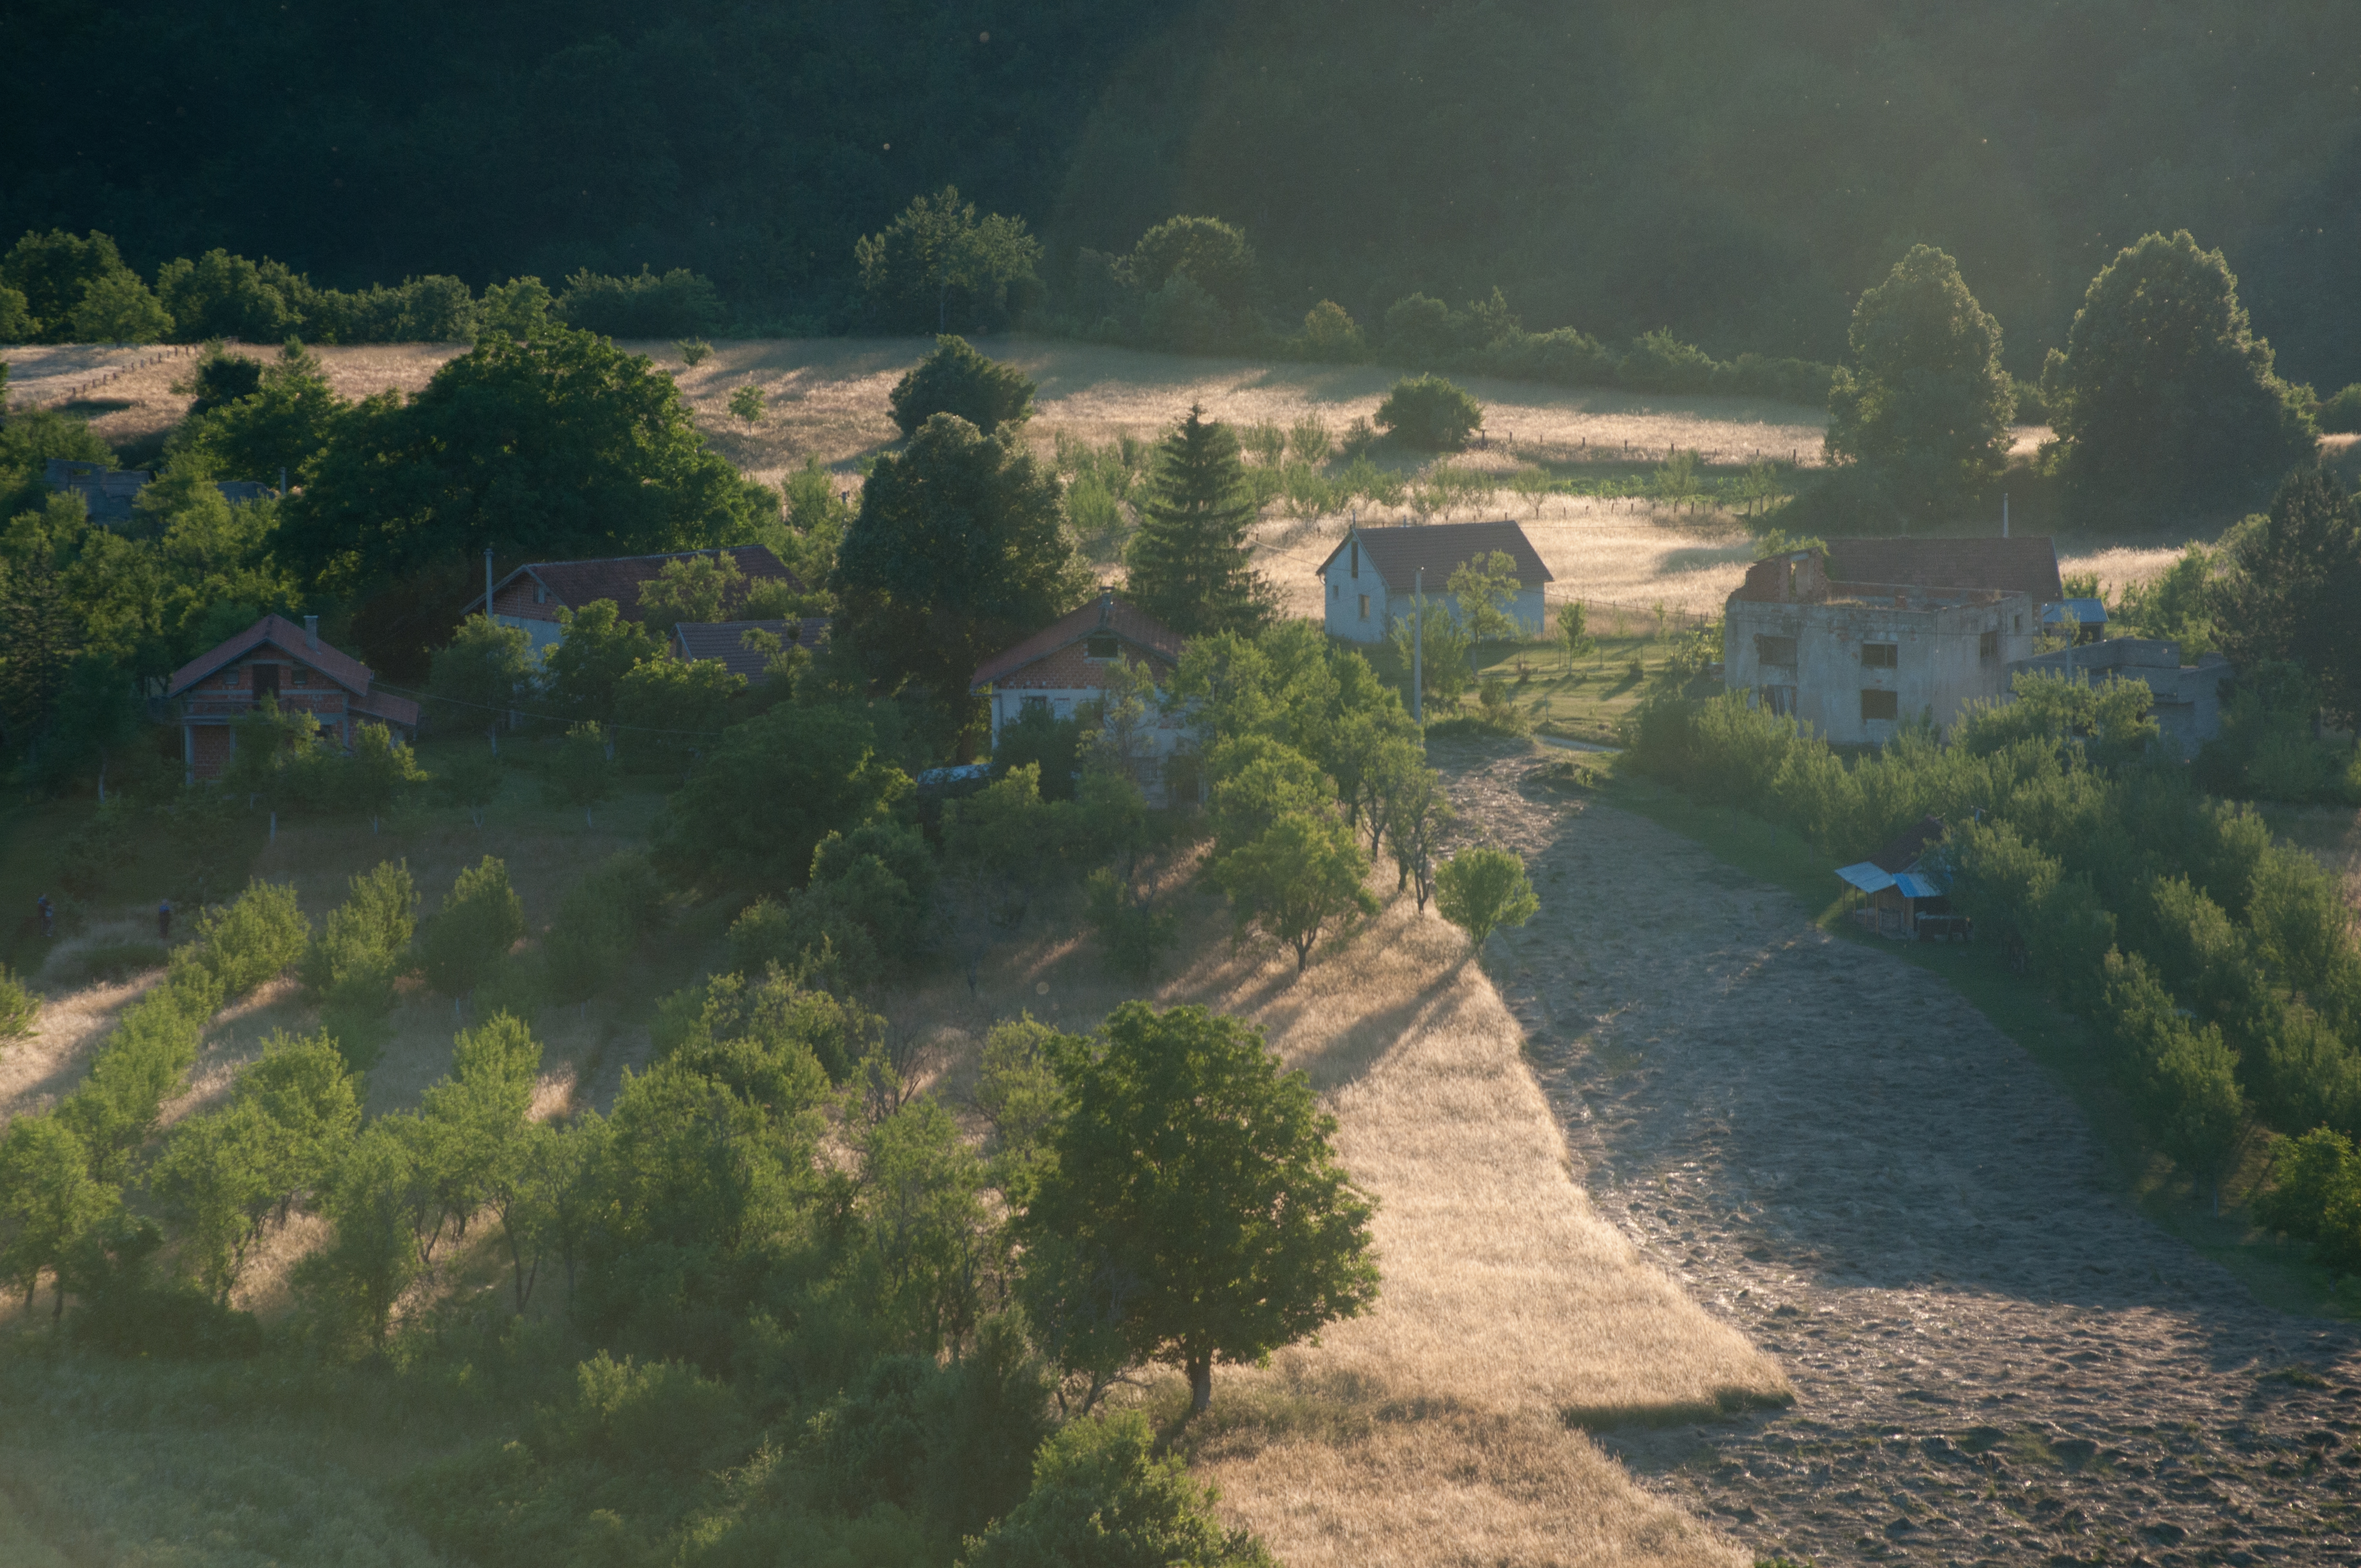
619 578
1441 548
288 638
2024 565
1140 630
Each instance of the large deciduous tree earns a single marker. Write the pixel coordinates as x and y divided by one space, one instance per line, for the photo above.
1188 563
1925 406
2294 585
958 552
938 262
563 445
956 379
2164 397
1194 1178
773 788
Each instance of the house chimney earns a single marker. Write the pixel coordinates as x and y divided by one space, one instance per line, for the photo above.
311 632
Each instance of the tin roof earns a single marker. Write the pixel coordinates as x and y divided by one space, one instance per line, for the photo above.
1400 553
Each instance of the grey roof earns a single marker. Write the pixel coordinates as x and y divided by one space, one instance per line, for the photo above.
724 641
107 494
1439 549
2022 564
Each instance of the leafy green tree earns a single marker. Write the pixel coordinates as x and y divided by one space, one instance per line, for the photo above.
2294 577
285 422
519 308
469 937
222 295
1331 334
380 771
697 588
1447 649
118 308
583 772
48 1201
1481 890
53 271
956 379
480 1111
1104 1498
2163 397
1925 407
938 261
678 303
1573 632
1484 593
597 649
479 678
771 790
670 710
1302 876
359 952
1213 255
556 446
747 403
1193 1174
18 1006
959 550
1429 413
16 325
353 1283
1416 813
1188 564
472 780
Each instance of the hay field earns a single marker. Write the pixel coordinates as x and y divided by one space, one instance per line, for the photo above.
828 400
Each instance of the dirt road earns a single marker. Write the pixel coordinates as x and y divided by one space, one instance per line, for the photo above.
1997 1359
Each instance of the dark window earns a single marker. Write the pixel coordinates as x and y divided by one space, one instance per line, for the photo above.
1988 646
1775 650
302 678
1357 560
1101 646
2020 623
1879 704
1365 607
1880 655
266 679
1779 701
1034 705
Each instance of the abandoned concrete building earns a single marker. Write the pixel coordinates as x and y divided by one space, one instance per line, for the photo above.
1857 661
2188 697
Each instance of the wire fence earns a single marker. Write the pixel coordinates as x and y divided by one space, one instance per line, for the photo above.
47 391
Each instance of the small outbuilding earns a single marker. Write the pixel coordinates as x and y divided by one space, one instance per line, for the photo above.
1898 893
1367 582
724 641
275 657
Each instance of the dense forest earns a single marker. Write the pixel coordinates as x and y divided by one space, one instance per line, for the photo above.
1737 174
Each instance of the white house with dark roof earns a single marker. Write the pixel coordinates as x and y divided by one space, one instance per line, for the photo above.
1367 582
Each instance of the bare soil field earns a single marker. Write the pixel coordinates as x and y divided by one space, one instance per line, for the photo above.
1997 1359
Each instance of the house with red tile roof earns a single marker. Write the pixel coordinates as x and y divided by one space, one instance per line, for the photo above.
532 596
1064 667
276 657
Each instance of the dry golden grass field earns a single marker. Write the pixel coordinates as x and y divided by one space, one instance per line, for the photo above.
828 399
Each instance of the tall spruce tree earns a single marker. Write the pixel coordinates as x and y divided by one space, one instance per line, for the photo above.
1188 563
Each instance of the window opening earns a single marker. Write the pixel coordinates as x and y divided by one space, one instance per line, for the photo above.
1365 607
1875 704
1775 650
1880 655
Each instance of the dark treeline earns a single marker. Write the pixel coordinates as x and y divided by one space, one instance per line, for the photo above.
1736 175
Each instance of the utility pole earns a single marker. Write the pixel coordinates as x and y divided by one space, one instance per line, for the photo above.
1418 648
2004 514
487 582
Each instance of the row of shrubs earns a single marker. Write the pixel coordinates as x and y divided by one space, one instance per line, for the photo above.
2218 969
60 287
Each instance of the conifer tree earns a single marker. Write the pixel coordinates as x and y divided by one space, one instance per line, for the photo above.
1188 566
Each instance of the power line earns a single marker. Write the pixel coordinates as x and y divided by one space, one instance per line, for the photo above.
522 713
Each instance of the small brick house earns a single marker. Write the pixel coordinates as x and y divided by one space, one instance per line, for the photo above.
277 657
532 596
1064 666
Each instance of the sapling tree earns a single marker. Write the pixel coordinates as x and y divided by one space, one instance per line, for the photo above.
1573 632
48 1201
1484 589
583 772
473 780
470 936
480 677
1300 877
1196 1177
1417 812
381 770
1479 890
